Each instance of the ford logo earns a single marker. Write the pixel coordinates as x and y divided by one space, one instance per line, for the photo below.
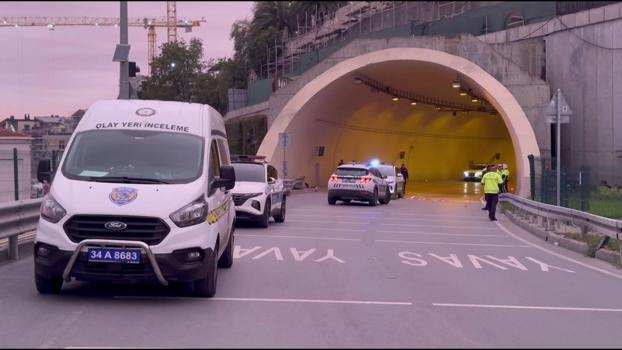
115 225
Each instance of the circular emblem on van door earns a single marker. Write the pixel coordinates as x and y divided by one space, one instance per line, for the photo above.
123 195
145 112
115 225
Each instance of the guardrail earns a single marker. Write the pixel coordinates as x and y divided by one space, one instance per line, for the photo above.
552 214
18 217
291 184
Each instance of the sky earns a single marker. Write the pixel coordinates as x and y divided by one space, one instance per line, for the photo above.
59 71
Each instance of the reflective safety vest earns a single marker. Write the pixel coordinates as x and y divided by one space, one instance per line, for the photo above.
491 181
505 172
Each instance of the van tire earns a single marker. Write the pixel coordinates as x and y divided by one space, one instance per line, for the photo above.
264 220
280 217
48 285
332 200
206 287
226 260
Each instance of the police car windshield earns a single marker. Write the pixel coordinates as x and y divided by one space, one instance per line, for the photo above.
387 170
134 156
249 172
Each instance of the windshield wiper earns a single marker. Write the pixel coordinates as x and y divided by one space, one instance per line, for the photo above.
125 179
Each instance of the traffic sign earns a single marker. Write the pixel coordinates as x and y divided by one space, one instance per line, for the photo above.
564 111
284 139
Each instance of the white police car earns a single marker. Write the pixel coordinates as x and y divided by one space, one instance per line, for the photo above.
258 193
358 181
395 180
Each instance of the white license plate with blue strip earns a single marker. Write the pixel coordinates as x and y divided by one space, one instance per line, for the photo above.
114 255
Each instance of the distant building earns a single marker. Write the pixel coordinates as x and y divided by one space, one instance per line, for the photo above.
18 125
10 140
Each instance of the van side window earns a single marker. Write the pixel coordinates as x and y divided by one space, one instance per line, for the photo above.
224 155
214 162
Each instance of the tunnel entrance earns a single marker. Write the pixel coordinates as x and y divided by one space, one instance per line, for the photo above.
438 114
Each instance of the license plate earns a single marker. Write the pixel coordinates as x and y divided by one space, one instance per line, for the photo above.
114 255
349 180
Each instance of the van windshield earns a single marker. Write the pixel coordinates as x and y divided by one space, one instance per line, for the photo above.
134 156
249 172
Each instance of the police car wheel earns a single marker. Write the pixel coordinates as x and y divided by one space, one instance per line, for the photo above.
280 217
265 218
332 200
387 197
374 201
206 287
226 260
48 285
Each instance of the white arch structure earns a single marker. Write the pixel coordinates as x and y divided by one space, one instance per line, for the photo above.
520 130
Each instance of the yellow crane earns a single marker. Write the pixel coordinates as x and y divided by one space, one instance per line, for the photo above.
170 22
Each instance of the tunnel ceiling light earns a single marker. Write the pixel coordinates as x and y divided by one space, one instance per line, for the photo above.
455 85
438 108
463 93
474 99
357 81
413 103
395 98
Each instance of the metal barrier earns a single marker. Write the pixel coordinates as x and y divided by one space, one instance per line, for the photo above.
551 214
18 217
294 184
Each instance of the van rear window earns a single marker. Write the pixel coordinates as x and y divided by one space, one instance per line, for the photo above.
351 172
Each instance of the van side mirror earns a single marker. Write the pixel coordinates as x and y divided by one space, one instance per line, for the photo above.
400 175
271 180
226 179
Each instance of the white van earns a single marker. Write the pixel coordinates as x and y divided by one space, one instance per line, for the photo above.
141 194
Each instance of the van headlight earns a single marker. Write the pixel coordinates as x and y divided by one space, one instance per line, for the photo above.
192 214
51 210
466 173
478 174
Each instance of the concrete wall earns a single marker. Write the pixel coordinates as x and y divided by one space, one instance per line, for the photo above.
590 78
7 191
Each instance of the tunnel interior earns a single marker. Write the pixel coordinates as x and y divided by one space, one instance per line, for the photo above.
369 113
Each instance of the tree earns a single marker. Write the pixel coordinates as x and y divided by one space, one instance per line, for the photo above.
176 73
316 8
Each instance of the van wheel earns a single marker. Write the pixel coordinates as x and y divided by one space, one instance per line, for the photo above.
264 220
332 200
48 285
280 217
374 201
226 260
206 287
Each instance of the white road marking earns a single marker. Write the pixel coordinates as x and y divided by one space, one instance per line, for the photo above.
528 307
315 228
437 226
441 220
277 300
443 216
335 216
301 237
558 255
334 222
321 301
449 243
441 233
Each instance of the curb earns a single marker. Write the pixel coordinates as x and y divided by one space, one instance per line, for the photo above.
567 243
608 256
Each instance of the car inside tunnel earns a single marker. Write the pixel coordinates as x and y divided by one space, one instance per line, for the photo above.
437 120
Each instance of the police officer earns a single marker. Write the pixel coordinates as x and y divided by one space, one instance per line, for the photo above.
492 181
505 174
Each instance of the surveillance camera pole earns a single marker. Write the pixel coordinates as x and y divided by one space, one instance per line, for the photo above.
558 149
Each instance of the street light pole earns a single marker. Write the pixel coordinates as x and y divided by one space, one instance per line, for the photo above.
558 149
124 80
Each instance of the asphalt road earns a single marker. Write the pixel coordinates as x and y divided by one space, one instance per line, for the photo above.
414 273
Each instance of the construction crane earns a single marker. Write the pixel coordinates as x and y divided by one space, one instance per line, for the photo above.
170 22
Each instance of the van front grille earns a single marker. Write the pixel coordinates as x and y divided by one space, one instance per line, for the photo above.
149 230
